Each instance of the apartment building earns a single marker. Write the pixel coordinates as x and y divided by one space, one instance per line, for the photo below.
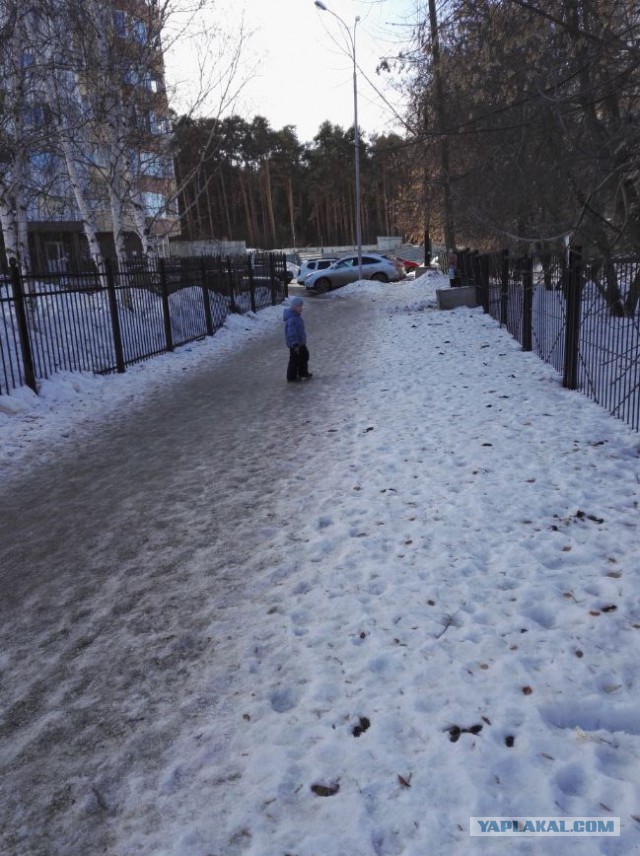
87 147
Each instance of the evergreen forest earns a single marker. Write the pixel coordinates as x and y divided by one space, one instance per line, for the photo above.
523 130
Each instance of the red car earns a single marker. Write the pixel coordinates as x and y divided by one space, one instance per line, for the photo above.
409 265
406 263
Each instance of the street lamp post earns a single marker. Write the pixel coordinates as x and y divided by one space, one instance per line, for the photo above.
356 131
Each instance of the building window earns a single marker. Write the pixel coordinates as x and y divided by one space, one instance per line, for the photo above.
155 164
125 26
139 32
154 203
42 161
33 116
157 124
120 23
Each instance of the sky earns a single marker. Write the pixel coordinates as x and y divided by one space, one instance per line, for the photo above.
242 617
299 66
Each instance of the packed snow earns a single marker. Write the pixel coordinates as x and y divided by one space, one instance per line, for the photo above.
427 610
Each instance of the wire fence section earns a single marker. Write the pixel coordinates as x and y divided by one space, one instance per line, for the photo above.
579 316
102 320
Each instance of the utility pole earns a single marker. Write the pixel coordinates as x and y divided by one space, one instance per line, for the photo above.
351 35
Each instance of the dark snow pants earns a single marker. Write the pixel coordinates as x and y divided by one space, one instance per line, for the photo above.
298 362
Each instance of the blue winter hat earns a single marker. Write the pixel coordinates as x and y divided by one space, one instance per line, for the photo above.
296 301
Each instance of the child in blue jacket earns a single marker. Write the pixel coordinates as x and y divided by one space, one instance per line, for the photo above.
296 338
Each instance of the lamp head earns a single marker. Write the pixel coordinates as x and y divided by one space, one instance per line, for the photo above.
321 5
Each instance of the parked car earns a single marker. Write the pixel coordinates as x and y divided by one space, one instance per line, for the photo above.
345 270
313 265
293 271
409 264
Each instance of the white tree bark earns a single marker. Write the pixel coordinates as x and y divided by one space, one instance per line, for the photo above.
99 70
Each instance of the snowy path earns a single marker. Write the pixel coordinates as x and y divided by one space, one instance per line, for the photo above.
119 563
206 599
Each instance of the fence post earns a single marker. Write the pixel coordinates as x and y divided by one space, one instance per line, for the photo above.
272 278
23 327
476 275
483 282
461 268
527 303
572 333
115 319
469 278
474 255
252 291
504 289
205 296
286 278
166 309
231 286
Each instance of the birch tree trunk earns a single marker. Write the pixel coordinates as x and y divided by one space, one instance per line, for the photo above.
9 229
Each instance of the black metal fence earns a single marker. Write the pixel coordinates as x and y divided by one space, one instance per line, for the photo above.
100 321
579 316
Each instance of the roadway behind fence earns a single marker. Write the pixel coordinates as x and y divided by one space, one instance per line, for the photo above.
579 316
101 320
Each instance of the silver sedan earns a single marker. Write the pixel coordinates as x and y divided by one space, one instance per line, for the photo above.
345 270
